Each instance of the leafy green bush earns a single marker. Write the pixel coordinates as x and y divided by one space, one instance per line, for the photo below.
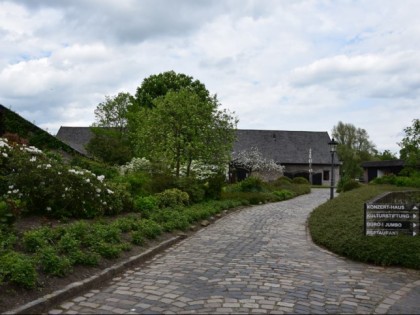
350 185
137 238
251 184
300 181
253 198
18 269
137 184
171 198
36 239
149 229
53 263
338 225
300 189
281 181
68 244
160 181
193 187
107 233
284 194
108 250
401 181
7 239
10 210
170 219
239 196
287 184
213 187
146 204
126 224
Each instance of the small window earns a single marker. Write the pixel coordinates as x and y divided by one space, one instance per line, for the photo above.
326 175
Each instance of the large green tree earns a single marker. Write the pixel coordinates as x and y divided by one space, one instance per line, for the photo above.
183 126
386 155
158 85
410 147
110 142
353 148
113 112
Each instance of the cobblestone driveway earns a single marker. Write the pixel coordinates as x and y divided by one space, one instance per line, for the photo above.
258 260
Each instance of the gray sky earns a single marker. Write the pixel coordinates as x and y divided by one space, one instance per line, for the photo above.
278 64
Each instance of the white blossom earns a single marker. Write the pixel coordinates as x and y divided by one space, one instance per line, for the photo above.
32 149
253 160
135 165
3 143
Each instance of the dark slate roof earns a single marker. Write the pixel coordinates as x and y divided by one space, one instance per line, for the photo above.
387 163
76 137
11 122
285 147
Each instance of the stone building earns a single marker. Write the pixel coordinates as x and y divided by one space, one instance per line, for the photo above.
287 148
293 150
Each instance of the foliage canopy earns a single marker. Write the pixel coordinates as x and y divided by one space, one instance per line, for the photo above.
158 85
354 147
176 122
410 147
182 127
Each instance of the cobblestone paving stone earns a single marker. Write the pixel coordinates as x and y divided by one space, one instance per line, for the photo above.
259 260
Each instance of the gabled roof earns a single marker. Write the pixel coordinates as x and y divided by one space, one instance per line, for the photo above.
76 137
285 147
11 122
386 163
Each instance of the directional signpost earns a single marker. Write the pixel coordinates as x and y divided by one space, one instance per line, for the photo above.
392 219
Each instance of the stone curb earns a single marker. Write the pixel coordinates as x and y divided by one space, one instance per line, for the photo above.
39 305
394 298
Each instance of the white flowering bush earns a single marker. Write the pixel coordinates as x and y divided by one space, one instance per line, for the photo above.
252 160
200 170
48 187
136 165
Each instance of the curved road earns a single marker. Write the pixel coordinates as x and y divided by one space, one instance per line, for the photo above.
258 260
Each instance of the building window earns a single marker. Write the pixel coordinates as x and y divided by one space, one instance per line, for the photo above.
326 175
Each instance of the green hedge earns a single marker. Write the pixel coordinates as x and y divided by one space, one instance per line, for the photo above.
338 225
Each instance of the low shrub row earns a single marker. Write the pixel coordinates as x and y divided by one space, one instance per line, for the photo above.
400 181
54 251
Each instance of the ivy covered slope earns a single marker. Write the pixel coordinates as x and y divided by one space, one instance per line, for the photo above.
12 123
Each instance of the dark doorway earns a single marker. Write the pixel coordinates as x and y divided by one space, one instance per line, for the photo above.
241 174
372 174
317 179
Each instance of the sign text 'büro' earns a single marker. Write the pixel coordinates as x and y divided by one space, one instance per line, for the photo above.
391 219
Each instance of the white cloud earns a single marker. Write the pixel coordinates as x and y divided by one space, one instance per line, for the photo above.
298 65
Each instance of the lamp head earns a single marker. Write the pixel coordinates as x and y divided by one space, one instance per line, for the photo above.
333 145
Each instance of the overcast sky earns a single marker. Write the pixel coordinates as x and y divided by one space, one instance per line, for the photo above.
278 64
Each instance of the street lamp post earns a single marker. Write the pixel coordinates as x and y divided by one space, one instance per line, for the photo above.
333 148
